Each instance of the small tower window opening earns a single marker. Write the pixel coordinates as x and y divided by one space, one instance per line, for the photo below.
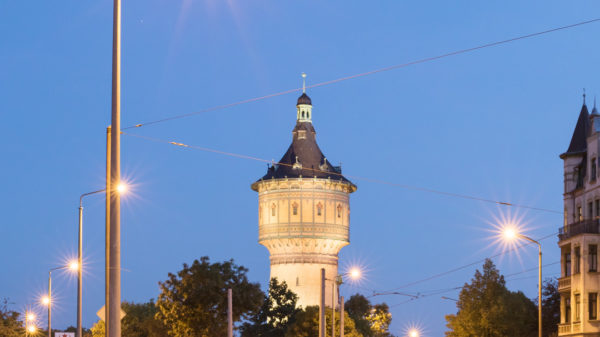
339 211
579 213
567 271
593 305
593 257
297 281
319 209
295 208
593 170
577 307
273 210
577 261
567 309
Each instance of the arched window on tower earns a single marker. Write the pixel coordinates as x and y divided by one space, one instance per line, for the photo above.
295 208
319 209
339 211
273 209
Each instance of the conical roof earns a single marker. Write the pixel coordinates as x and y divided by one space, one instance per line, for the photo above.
583 127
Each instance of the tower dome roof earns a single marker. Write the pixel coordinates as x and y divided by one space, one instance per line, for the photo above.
304 99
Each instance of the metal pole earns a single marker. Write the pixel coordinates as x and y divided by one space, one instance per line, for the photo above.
342 316
229 313
333 309
79 268
540 292
322 306
114 305
50 304
107 235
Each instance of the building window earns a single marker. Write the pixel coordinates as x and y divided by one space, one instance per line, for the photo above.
590 210
567 264
593 253
597 208
579 214
295 208
319 209
593 305
567 309
273 209
577 309
577 261
593 171
339 211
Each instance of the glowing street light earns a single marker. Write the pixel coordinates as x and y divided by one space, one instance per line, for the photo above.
121 188
30 316
47 300
510 234
414 333
31 329
355 274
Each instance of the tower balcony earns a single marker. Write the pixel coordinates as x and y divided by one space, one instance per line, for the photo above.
591 226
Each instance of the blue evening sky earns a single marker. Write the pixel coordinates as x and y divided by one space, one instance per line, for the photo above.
489 123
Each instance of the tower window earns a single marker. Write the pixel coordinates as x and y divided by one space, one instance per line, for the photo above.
295 208
567 264
577 261
319 209
593 305
579 213
339 211
593 170
577 308
273 209
593 257
567 309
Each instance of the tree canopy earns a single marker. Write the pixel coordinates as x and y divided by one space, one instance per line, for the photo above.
193 302
486 308
139 321
371 320
10 326
550 307
306 324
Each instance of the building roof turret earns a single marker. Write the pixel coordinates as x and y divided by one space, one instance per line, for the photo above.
582 130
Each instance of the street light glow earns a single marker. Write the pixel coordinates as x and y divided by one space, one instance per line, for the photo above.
30 316
31 329
45 300
74 266
121 188
509 233
355 273
414 333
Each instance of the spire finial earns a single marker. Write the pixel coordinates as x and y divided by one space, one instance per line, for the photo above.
303 83
583 96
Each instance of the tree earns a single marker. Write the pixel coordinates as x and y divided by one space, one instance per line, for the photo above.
277 312
139 321
371 320
10 326
193 302
550 307
486 308
306 324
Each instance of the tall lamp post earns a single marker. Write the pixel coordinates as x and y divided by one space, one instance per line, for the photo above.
47 300
510 234
120 189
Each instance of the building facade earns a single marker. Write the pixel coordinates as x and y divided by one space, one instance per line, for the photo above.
579 237
304 212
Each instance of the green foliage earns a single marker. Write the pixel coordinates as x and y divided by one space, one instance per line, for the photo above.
550 307
486 308
193 303
10 326
306 324
277 312
371 320
139 321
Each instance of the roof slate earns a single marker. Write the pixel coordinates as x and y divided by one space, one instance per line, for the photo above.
583 128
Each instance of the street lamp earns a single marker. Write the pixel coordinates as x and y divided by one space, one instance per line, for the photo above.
511 234
47 300
414 333
121 188
355 274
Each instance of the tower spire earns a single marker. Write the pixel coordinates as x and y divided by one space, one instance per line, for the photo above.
304 83
583 96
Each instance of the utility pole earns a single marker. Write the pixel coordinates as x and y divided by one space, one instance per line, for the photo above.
229 313
107 234
322 306
333 310
342 316
114 304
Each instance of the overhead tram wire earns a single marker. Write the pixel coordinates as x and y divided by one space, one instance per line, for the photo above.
373 180
350 77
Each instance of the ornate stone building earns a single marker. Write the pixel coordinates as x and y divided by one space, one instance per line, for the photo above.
304 212
579 284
